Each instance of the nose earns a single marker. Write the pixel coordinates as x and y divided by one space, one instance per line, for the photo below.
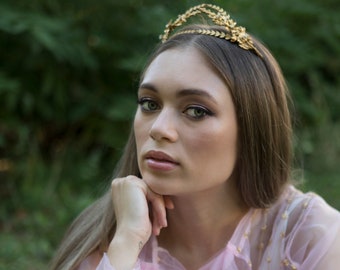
164 126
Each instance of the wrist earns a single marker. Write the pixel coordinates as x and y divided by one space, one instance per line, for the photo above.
124 250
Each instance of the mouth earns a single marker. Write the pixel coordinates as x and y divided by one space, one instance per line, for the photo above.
160 161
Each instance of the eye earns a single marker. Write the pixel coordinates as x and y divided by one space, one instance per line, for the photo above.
148 105
197 112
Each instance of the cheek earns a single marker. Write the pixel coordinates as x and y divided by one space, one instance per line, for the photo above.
214 145
139 123
214 137
140 131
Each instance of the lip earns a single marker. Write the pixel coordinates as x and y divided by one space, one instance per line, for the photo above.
160 161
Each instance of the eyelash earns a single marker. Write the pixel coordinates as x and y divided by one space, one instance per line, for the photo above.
196 108
142 102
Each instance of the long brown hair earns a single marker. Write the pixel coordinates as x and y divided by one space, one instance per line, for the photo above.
260 96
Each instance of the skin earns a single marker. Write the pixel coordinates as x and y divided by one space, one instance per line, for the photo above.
186 112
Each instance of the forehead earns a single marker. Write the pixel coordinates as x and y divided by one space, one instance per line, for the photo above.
183 66
182 73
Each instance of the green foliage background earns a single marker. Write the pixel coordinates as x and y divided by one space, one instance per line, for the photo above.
68 76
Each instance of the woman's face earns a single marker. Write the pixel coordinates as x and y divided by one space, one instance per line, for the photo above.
185 125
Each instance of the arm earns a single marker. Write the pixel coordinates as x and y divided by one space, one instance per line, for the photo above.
331 258
130 197
132 201
315 244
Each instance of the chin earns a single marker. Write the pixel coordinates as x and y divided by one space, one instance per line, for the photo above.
159 185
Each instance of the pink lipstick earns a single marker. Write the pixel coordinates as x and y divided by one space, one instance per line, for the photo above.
160 161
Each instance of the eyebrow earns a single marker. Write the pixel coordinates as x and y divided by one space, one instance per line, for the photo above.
182 92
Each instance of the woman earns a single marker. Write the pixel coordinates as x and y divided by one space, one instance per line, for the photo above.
204 179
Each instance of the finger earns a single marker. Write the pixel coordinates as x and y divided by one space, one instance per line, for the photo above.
156 227
168 202
158 208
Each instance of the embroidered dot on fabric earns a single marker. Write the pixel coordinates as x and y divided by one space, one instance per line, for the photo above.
305 205
285 262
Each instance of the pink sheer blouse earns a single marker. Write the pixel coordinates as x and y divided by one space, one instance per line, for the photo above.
300 231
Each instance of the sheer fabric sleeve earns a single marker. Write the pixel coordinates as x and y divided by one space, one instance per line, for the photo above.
314 242
105 264
91 263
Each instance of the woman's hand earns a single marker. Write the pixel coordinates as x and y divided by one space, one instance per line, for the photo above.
134 203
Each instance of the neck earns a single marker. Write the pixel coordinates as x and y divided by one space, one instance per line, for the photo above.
201 224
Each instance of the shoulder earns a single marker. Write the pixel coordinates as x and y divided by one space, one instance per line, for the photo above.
307 211
312 229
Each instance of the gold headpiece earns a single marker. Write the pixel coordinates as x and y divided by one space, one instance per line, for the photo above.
234 33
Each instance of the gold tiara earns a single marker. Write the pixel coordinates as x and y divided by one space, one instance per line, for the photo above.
235 34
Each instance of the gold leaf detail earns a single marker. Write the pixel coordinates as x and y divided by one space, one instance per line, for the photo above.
219 17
